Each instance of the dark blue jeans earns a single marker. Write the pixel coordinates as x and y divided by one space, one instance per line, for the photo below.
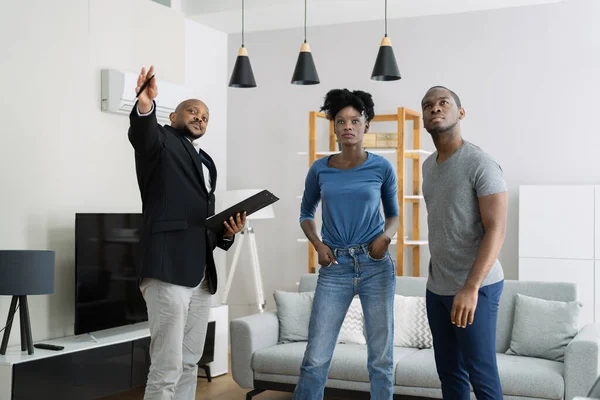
466 354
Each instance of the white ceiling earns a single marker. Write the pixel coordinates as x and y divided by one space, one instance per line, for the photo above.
264 15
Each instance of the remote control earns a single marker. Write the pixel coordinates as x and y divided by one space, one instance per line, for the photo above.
48 346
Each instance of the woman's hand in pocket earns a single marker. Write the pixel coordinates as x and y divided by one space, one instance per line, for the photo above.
325 255
379 247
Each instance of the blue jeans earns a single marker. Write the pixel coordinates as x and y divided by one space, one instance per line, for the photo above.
375 283
464 355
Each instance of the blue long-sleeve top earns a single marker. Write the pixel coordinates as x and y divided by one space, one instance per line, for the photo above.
351 200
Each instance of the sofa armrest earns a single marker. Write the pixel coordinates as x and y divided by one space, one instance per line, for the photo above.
249 334
582 361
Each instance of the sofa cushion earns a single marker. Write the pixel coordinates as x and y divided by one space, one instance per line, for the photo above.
411 326
418 370
531 377
543 328
560 291
349 361
353 327
293 311
520 376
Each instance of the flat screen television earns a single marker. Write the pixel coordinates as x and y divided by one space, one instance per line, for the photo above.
107 293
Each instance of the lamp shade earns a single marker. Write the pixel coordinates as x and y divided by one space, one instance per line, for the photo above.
305 72
232 197
386 68
242 75
26 272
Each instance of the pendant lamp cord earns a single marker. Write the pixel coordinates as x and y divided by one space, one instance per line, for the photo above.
243 23
385 18
304 21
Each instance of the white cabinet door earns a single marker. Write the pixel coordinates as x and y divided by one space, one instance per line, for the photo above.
220 365
556 222
580 272
6 382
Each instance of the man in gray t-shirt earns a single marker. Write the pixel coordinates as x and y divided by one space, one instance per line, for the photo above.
466 198
452 190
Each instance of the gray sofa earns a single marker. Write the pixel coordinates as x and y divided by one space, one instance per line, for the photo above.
260 362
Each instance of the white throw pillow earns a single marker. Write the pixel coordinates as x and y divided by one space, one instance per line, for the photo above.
352 330
411 326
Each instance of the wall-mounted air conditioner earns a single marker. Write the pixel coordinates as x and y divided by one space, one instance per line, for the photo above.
118 94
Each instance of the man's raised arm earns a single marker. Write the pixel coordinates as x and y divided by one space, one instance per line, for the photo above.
144 134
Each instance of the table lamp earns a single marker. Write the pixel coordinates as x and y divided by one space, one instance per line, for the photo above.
230 198
23 273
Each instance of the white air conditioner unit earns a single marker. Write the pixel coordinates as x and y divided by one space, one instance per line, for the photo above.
118 94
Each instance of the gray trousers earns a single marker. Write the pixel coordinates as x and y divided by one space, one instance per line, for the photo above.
178 319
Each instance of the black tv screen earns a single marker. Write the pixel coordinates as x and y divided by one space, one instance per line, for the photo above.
107 291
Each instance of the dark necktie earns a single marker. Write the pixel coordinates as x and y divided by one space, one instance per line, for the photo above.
204 161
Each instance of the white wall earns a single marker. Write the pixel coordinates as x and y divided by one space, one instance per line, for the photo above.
206 72
526 76
60 154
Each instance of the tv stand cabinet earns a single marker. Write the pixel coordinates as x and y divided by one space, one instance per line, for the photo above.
94 366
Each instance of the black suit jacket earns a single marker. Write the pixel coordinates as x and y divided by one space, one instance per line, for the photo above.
174 242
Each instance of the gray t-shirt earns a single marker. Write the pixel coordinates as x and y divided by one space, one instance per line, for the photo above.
451 190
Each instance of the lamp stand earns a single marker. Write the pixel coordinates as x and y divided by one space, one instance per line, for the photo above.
26 340
260 297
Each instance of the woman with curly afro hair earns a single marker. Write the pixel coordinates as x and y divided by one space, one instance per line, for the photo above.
353 253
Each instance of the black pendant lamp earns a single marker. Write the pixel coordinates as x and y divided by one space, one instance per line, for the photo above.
305 72
386 68
242 75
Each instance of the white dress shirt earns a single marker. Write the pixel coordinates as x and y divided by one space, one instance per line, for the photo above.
205 170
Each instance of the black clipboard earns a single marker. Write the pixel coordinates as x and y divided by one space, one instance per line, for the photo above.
251 205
